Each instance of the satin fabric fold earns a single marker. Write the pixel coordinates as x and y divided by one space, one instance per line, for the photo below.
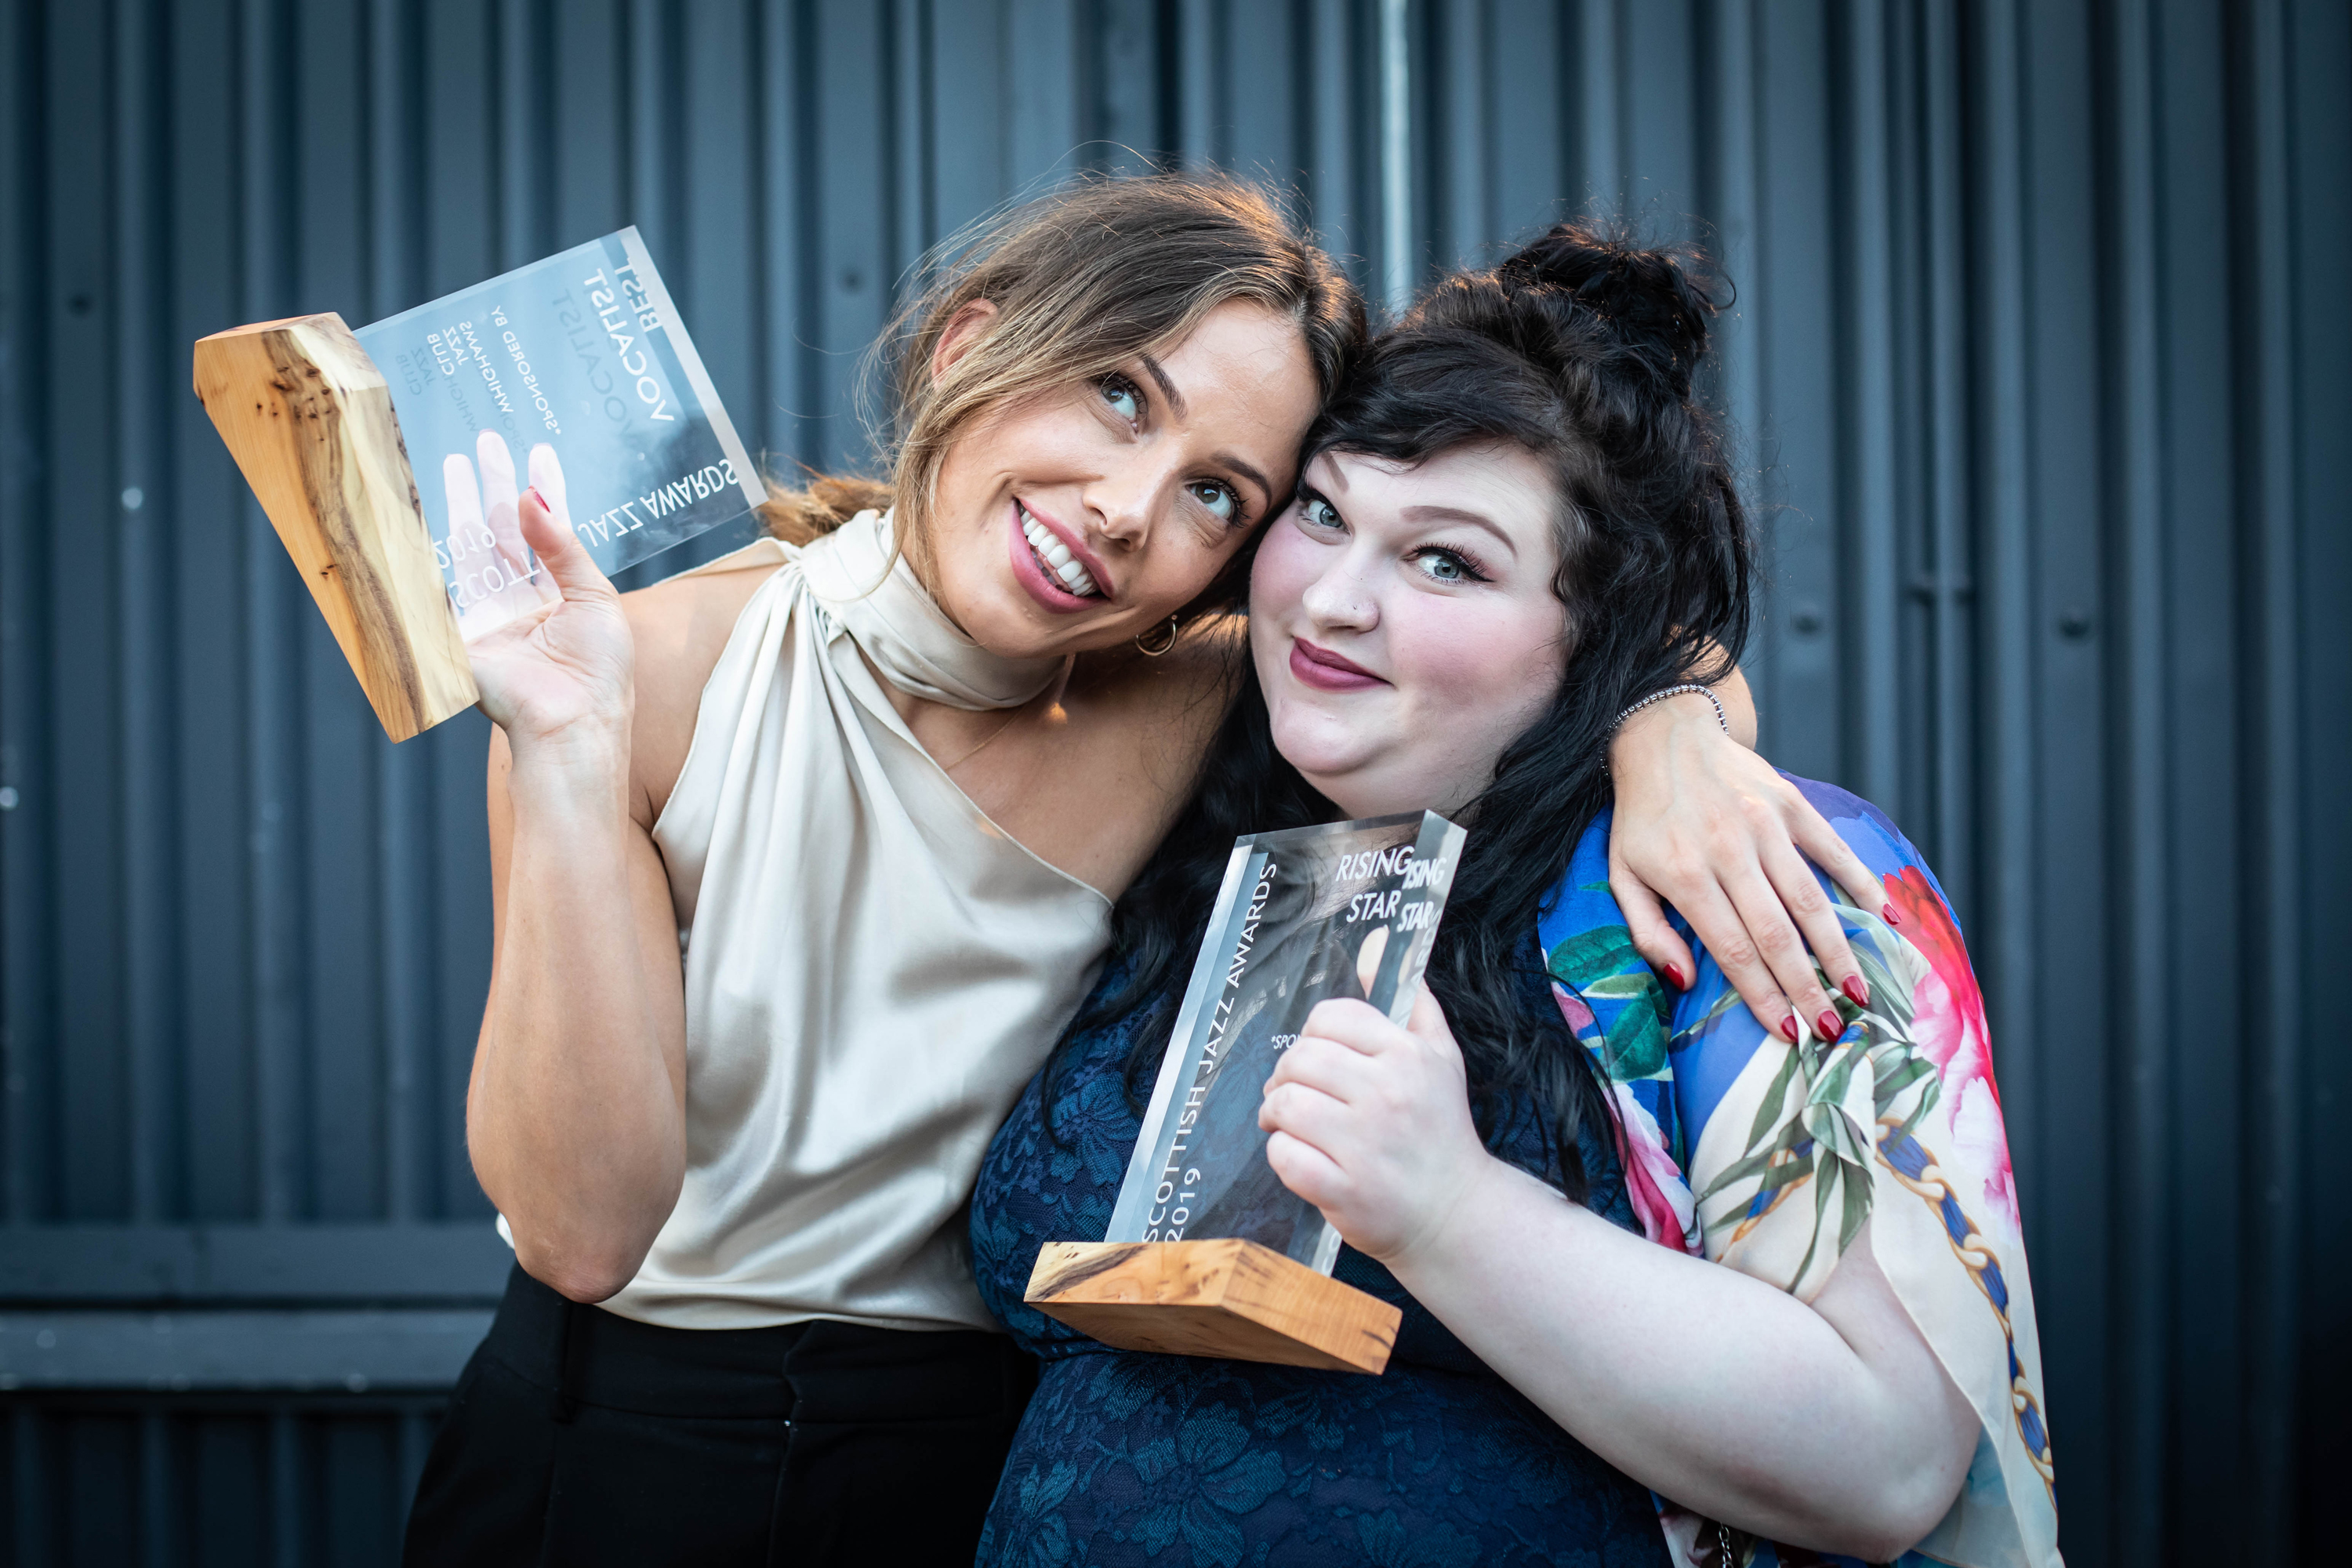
873 968
870 588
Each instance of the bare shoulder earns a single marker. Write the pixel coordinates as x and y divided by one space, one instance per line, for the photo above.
681 627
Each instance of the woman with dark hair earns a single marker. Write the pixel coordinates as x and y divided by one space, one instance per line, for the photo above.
1645 1248
801 860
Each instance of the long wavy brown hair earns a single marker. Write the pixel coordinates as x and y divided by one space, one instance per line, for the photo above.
1083 281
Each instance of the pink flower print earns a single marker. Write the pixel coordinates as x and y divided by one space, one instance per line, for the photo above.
1947 1023
1654 1185
1981 1143
1927 926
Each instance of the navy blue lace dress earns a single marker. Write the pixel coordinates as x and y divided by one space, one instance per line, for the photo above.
1179 1460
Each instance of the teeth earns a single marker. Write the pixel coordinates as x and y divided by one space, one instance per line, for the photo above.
1056 557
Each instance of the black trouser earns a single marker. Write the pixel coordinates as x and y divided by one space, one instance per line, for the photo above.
579 1438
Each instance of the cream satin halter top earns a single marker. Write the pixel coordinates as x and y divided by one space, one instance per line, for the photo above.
874 970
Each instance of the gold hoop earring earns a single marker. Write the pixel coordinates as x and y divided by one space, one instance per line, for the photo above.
1173 626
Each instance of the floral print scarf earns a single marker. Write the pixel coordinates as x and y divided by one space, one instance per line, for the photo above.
1743 1149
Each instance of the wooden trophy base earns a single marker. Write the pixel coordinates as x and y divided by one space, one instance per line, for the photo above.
1220 1297
308 419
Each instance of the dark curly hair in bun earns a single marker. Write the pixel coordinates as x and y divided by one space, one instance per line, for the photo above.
1582 349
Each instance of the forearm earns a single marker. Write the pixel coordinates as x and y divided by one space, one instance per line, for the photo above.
575 1118
1730 1396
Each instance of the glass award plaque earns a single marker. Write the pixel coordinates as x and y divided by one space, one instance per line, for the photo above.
1208 1252
573 374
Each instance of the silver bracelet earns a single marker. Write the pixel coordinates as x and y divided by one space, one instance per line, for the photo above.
1618 722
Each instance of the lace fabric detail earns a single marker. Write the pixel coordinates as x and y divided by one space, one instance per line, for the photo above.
1169 1459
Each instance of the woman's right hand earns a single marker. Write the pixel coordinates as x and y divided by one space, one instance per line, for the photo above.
560 679
575 1115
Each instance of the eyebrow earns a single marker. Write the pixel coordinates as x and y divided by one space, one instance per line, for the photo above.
1456 514
1249 471
1167 387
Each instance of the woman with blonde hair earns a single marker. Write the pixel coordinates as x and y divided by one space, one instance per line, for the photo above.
801 860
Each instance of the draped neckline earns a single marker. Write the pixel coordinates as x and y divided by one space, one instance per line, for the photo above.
872 591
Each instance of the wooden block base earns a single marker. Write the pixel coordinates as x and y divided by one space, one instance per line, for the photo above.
1219 1297
308 419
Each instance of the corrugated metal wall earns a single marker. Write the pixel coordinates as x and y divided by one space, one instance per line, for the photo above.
2040 346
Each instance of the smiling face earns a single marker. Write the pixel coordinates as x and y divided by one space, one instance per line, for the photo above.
1404 626
1082 518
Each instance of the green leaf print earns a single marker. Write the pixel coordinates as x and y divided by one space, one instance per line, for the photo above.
1603 966
1637 1045
1587 957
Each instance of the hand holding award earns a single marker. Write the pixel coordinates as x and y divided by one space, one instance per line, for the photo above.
561 674
1369 1121
486 519
578 356
1211 1249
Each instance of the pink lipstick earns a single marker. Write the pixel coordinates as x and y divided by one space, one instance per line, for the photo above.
1043 584
1327 672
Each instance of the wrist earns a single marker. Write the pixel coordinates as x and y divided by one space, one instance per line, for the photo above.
579 774
1450 1219
1663 720
1686 702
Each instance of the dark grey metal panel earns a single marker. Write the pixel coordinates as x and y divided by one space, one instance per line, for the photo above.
2039 358
2309 926
175 1353
210 1478
60 1266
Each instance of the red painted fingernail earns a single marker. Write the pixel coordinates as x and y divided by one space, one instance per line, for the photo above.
1788 1029
1887 914
1855 991
534 494
1830 1024
1675 978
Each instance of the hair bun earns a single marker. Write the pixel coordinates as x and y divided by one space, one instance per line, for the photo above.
1656 302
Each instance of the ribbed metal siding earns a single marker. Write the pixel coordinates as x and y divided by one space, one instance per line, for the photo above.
2039 348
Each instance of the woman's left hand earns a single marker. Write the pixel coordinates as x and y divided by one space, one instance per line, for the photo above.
1371 1124
1707 825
